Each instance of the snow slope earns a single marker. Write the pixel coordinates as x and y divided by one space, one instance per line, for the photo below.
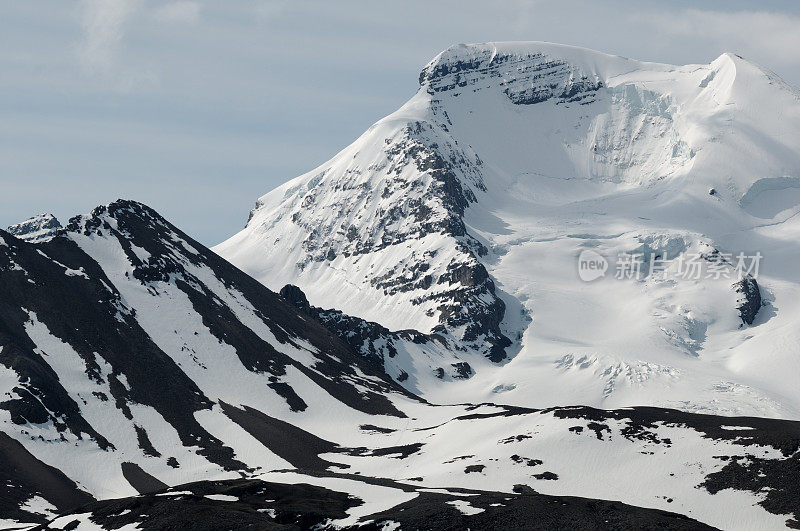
464 212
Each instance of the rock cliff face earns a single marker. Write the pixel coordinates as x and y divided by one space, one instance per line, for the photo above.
400 208
525 77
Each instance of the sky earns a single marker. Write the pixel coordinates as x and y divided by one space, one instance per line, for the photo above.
198 108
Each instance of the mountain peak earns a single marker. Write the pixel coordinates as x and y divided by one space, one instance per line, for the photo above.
36 229
115 210
462 213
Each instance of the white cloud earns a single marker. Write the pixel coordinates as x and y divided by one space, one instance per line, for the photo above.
183 11
103 23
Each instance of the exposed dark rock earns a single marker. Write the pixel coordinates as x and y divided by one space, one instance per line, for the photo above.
169 247
749 300
528 509
140 480
598 429
260 505
463 369
775 480
515 438
527 461
398 452
447 177
289 442
23 476
78 311
376 429
373 341
287 393
144 442
294 295
57 288
641 423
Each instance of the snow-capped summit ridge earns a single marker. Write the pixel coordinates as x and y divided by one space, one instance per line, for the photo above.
483 55
554 65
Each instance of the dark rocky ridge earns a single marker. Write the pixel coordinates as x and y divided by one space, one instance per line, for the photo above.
527 509
139 225
749 301
776 478
267 505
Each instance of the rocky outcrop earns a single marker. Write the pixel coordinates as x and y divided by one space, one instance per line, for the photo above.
749 301
376 343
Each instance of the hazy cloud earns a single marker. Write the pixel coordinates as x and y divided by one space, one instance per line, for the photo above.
103 23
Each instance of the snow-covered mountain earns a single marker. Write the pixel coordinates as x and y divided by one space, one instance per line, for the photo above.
37 228
121 339
140 370
463 215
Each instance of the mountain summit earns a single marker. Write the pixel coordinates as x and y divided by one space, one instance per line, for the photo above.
36 229
463 215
